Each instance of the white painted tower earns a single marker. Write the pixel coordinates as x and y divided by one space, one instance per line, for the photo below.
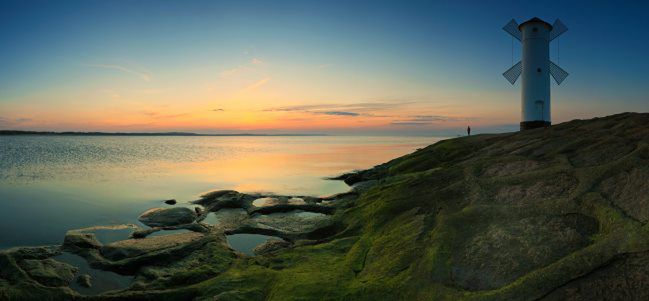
536 69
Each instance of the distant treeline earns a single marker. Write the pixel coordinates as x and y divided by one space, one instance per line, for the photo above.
8 132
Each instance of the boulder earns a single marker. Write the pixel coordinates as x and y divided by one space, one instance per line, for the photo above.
75 240
162 217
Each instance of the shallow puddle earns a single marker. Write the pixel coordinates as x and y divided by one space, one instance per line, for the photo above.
102 281
245 243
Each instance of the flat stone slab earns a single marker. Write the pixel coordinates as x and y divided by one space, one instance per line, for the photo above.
292 222
163 217
136 247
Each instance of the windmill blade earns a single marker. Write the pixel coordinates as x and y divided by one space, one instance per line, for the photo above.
514 72
557 73
558 28
512 29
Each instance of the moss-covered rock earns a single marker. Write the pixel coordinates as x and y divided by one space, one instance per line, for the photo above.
49 272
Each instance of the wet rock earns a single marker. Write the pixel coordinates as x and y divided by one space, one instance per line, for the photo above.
49 272
136 247
354 177
84 280
142 233
216 194
170 202
271 245
220 199
161 217
293 222
75 240
261 204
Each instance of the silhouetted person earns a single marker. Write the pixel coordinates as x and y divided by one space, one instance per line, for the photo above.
468 130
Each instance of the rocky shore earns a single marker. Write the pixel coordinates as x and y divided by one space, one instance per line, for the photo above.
546 214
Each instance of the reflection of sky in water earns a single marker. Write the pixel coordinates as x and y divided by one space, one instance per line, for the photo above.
102 281
106 236
52 184
245 243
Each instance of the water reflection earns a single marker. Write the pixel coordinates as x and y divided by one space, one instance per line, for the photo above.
49 184
101 281
246 243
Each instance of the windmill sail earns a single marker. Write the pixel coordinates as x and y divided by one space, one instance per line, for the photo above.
512 29
558 28
514 72
557 73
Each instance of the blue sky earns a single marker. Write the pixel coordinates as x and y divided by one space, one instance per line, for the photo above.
434 66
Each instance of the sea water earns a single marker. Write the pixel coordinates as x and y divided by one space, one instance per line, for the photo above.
50 184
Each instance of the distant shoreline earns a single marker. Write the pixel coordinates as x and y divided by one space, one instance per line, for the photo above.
16 133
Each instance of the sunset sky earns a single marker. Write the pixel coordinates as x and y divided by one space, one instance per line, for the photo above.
305 67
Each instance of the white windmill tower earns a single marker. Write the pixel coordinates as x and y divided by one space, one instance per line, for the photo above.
536 67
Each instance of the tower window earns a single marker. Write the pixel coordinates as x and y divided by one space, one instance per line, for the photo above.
534 29
538 70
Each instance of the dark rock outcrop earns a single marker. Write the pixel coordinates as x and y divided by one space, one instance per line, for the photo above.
162 217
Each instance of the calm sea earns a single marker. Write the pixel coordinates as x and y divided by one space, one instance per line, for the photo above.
50 184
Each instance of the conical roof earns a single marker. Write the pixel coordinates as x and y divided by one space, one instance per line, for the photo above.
535 20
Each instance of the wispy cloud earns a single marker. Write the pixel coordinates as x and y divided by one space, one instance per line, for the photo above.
217 110
369 109
142 75
256 61
324 66
256 85
429 119
338 113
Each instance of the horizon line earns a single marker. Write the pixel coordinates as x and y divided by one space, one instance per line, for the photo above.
75 133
